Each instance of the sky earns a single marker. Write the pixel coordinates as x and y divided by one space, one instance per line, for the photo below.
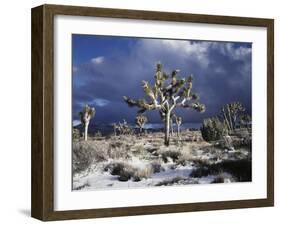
106 68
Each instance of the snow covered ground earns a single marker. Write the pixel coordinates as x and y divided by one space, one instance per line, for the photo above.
103 180
137 162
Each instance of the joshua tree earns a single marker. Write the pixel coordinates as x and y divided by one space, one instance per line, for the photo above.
178 122
122 127
115 128
85 117
230 114
167 93
140 121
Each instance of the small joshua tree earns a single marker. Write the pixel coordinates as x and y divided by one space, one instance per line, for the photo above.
167 94
230 113
122 127
140 121
85 117
178 122
115 128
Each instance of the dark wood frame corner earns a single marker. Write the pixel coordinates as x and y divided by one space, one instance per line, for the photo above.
42 202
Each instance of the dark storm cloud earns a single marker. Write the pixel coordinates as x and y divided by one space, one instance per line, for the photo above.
221 70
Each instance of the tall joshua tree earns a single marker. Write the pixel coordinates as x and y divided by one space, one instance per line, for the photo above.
165 95
85 117
178 122
140 121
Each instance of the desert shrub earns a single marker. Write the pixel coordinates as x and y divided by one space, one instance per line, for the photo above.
213 129
199 162
87 152
75 133
125 175
172 154
218 180
184 158
122 128
177 180
122 169
140 151
116 144
241 170
204 171
156 167
168 182
98 134
242 142
114 168
223 178
117 150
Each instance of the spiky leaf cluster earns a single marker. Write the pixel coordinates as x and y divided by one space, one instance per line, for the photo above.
178 120
167 93
140 120
87 114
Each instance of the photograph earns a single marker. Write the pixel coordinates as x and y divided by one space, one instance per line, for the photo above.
157 112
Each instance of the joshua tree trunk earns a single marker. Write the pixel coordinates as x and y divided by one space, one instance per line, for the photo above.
226 120
172 128
167 129
178 130
230 119
234 122
140 129
86 131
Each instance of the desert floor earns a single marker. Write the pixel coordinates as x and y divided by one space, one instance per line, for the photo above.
130 161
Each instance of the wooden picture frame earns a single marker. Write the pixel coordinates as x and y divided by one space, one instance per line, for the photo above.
43 112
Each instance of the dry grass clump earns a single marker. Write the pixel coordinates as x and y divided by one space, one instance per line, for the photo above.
126 171
140 151
184 158
87 152
142 173
118 150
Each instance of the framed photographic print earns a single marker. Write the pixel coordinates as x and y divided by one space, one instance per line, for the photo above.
141 112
